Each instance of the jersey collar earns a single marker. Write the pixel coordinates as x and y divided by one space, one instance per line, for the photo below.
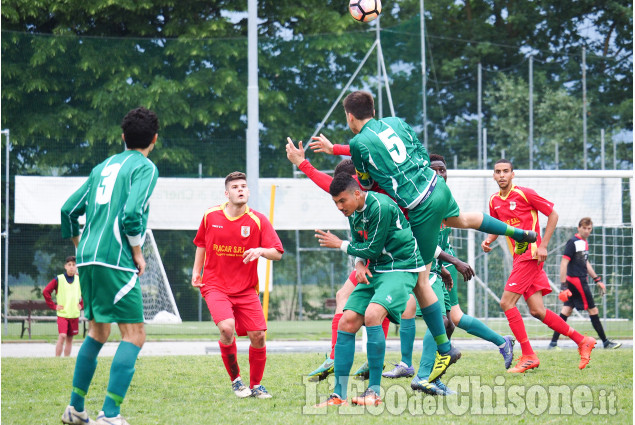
247 210
509 193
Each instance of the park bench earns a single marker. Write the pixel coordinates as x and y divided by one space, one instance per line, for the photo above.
30 306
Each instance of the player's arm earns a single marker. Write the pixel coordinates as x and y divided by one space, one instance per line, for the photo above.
377 232
565 293
199 260
47 293
552 221
73 208
254 253
296 156
596 277
462 267
486 244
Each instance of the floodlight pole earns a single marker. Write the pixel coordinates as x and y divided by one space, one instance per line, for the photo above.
423 74
5 234
253 164
380 100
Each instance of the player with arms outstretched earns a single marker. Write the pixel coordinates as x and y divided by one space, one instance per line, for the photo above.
519 206
229 240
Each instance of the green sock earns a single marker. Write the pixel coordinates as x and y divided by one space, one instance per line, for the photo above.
375 350
407 331
432 316
85 366
475 327
427 356
121 372
344 356
496 227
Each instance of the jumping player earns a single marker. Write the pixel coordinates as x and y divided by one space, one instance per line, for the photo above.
520 206
229 240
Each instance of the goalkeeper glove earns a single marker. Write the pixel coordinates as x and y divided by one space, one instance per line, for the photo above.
564 295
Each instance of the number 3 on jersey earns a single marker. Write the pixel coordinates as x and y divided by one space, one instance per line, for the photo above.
107 183
394 144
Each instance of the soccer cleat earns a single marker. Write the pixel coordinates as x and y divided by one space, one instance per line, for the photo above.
423 385
368 398
521 247
525 363
445 390
240 389
612 344
529 236
401 370
260 392
333 400
73 417
323 371
117 420
508 350
553 345
584 348
364 372
442 362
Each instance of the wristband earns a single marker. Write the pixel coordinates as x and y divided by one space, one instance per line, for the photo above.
563 285
597 279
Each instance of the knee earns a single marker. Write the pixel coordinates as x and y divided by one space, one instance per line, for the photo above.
341 296
455 316
538 313
226 332
593 311
257 339
346 324
506 305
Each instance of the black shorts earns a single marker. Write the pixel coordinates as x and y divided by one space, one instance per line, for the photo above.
581 297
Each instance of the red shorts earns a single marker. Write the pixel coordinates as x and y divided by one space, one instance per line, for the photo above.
527 278
67 326
352 278
244 308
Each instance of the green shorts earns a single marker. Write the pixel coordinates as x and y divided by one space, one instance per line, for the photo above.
441 292
427 217
391 290
454 293
111 295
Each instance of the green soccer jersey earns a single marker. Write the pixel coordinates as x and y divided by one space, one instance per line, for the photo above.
445 245
382 235
388 152
115 201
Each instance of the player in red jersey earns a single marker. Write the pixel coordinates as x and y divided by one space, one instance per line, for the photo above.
231 236
519 207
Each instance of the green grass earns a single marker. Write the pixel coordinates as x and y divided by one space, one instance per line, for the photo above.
196 390
313 330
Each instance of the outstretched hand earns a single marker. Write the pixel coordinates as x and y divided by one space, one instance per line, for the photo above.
328 239
321 144
465 269
295 155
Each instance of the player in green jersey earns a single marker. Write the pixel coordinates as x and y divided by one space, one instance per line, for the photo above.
382 235
109 258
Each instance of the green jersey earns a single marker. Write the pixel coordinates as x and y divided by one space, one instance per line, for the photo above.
388 152
382 235
115 201
445 245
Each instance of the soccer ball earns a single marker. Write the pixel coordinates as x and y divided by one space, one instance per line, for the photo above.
364 10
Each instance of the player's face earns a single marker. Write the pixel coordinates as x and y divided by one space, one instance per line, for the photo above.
439 168
585 231
237 192
71 268
347 202
503 175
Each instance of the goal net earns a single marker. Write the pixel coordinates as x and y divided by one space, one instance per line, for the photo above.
158 302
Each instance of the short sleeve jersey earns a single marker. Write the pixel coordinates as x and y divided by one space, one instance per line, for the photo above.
225 240
388 152
520 209
577 252
382 235
115 199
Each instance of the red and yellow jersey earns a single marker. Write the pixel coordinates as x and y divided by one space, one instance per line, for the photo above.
225 240
520 209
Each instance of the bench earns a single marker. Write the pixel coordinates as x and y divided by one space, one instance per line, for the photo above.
329 303
30 306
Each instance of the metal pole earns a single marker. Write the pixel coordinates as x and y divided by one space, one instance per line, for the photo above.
531 112
253 155
200 296
614 153
380 101
602 158
298 270
478 112
6 233
424 82
557 158
603 202
471 260
485 149
584 147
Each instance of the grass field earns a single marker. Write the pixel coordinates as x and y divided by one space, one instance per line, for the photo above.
196 390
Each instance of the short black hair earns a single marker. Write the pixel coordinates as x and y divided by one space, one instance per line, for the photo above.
361 104
343 182
345 166
437 157
504 161
139 127
235 175
69 259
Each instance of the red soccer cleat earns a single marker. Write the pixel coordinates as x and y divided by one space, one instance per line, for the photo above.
525 363
584 348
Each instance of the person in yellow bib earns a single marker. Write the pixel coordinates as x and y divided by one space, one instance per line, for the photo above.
68 304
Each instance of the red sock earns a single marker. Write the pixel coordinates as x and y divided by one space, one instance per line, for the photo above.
257 361
228 353
385 325
517 326
556 323
334 325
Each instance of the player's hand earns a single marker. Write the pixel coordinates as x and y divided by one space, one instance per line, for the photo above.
446 277
59 307
295 155
328 239
485 245
252 254
139 261
564 295
541 254
362 273
465 269
321 144
197 281
602 287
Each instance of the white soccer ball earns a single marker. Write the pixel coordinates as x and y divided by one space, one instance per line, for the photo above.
364 10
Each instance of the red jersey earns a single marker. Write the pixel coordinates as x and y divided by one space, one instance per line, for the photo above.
225 239
520 209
